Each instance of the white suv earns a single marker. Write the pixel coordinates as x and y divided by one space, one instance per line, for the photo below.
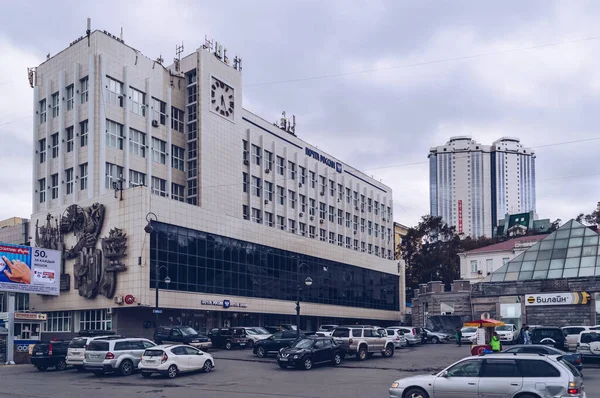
589 344
76 350
508 333
118 355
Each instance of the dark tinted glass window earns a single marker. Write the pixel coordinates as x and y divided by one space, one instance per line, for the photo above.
179 351
190 350
571 368
123 346
137 345
278 335
537 368
341 333
225 332
77 343
328 343
98 346
153 353
590 337
356 332
468 368
500 368
319 344
289 335
369 333
573 330
555 334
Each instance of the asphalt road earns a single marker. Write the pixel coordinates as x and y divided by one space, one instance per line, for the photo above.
239 374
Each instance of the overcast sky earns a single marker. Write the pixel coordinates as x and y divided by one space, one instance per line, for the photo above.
431 70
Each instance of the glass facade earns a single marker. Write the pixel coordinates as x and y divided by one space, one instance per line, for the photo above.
208 263
569 252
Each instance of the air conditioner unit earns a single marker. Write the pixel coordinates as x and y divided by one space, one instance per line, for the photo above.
322 193
246 162
355 232
155 123
301 214
266 201
267 171
312 218
117 300
321 221
300 185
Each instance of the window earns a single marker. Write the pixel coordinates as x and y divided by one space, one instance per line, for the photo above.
370 248
256 186
114 92
95 320
159 186
42 150
58 321
55 104
292 170
355 247
362 247
340 217
505 260
245 150
83 133
256 216
83 176
114 134
268 219
113 174
55 141
322 236
313 179
292 199
268 160
331 188
192 148
245 213
348 195
369 205
83 89
269 191
489 264
355 223
70 139
348 242
322 184
70 97
281 222
42 189
355 195
192 93
362 225
281 195
292 226
159 111
322 210
312 231
136 105
280 165
137 142
537 368
500 368
43 111
377 250
312 206
376 229
177 157
302 203
340 192
136 178
332 238
177 118
69 179
370 227
256 154
376 207
468 368
302 174
348 220
177 192
340 240
245 182
159 151
54 186
331 214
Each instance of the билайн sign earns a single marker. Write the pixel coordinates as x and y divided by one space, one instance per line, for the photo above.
224 303
557 298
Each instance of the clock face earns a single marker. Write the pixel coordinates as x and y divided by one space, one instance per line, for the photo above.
222 98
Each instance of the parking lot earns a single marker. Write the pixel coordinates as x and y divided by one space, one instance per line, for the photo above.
239 373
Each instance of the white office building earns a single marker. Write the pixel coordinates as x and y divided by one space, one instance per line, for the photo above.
472 186
242 210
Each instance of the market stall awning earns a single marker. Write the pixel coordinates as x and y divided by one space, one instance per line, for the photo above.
484 323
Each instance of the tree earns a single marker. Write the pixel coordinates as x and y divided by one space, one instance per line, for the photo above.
590 219
555 225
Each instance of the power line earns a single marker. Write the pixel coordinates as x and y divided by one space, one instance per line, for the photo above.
411 65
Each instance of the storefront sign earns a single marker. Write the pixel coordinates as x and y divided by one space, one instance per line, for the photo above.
337 166
27 269
29 316
224 303
557 299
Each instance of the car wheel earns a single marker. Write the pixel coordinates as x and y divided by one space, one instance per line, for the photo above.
172 372
250 343
337 359
307 363
228 345
146 375
62 365
389 351
435 340
207 367
282 365
415 392
361 355
126 368
42 368
260 352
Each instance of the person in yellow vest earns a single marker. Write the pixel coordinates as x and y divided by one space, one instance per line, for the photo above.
495 343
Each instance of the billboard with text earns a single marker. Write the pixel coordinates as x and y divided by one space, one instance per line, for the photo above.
25 269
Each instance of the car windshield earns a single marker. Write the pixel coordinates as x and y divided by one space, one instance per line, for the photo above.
77 343
188 331
504 328
303 343
261 331
468 330
590 337
326 328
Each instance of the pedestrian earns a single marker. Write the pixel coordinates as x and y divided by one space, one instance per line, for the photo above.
458 337
495 343
520 339
527 335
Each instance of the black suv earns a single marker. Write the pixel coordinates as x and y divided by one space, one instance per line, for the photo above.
181 335
229 337
308 351
48 354
274 343
550 336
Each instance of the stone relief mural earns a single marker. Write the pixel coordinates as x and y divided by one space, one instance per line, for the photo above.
94 269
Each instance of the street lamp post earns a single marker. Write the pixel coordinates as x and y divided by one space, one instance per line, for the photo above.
150 217
308 281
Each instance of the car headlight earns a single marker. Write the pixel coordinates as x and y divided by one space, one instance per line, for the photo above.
395 384
295 356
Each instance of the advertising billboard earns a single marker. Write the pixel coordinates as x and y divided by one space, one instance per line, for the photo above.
574 298
25 269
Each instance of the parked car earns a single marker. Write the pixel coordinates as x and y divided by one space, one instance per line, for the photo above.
228 337
255 334
50 354
412 335
181 335
77 346
550 336
572 335
170 360
363 341
468 334
309 351
588 344
435 337
117 355
398 336
501 375
573 359
326 330
508 333
274 343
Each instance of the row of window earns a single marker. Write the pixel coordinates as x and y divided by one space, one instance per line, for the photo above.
70 141
70 99
69 183
256 215
325 186
192 138
64 321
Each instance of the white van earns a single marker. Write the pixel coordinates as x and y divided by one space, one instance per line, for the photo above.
572 335
508 333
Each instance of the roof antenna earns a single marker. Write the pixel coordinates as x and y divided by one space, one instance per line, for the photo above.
89 29
121 35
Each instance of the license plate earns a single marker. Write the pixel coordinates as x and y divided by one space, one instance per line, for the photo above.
76 353
150 361
94 356
242 344
195 341
283 359
39 353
